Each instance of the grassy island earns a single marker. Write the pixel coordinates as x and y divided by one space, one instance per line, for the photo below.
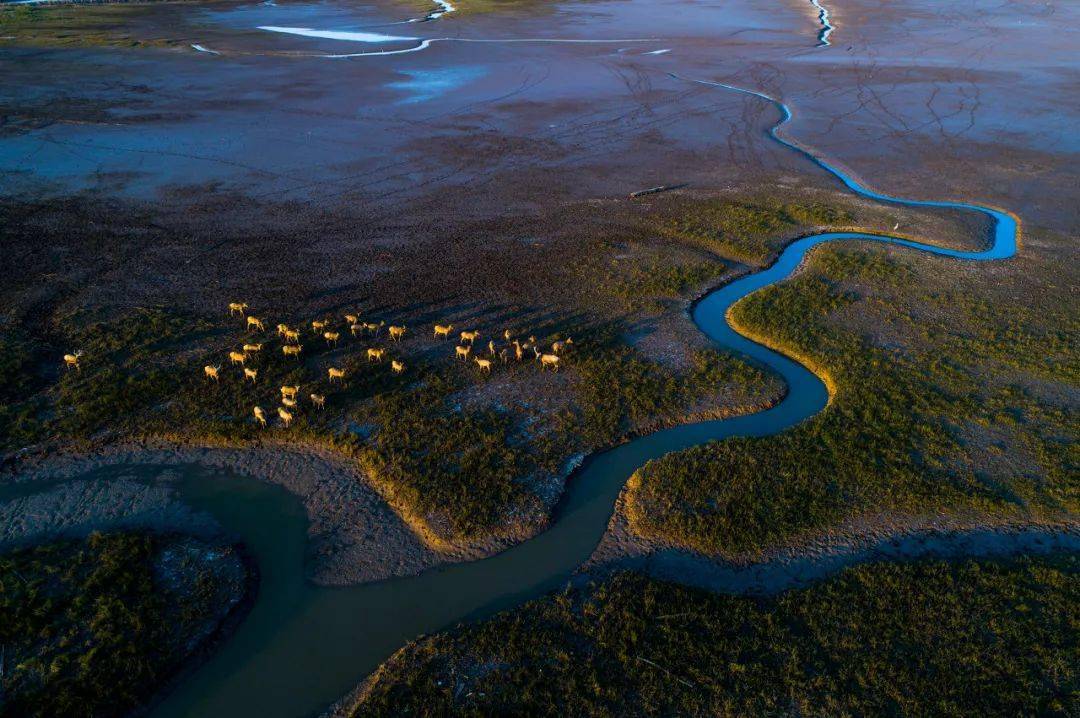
96 627
930 638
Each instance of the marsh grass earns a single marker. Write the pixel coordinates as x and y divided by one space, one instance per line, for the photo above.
989 638
92 628
11 15
80 25
465 466
749 231
911 359
643 286
621 390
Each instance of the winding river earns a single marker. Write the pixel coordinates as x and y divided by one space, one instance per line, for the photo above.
302 646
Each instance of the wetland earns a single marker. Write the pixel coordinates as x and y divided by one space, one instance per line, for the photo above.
834 363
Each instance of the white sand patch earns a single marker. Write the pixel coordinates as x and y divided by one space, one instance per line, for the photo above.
347 35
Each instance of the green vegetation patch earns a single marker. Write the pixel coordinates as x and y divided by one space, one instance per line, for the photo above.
929 638
95 627
127 367
750 231
13 15
642 285
130 367
620 390
935 410
82 25
466 466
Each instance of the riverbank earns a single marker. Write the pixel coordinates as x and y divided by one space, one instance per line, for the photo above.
823 554
353 536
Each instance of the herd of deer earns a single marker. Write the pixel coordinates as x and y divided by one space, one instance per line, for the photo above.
464 349
293 347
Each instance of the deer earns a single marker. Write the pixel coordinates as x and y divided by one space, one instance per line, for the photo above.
519 351
237 357
292 350
287 402
491 347
282 329
71 361
318 325
354 328
373 328
443 330
252 348
463 352
484 364
291 335
318 400
290 391
211 372
286 417
508 335
351 319
504 355
237 308
397 366
336 373
375 355
255 322
259 415
469 337
251 374
396 333
557 347
548 360
331 338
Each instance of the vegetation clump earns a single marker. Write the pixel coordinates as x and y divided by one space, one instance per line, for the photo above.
749 231
645 284
989 638
464 466
95 627
622 391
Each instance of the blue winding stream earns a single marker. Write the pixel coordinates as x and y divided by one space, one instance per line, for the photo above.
302 646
